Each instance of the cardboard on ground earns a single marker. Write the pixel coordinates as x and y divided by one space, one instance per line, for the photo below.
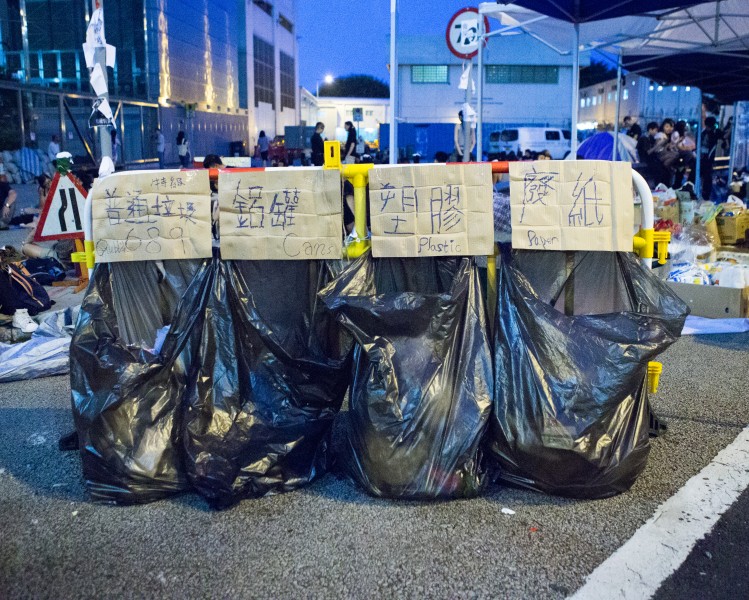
572 205
152 215
431 210
62 215
280 214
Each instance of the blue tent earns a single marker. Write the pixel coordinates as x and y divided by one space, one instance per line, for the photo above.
601 145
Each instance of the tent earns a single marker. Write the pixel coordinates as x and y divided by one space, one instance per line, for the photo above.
628 28
600 147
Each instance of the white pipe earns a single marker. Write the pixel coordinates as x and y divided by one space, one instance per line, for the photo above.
393 83
575 91
615 151
480 101
88 226
646 208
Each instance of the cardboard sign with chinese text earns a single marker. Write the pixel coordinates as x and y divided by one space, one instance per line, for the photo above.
152 215
280 214
431 210
572 205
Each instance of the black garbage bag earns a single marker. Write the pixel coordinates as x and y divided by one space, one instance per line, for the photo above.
272 370
422 384
571 406
127 396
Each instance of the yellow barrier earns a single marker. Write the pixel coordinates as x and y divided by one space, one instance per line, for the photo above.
654 374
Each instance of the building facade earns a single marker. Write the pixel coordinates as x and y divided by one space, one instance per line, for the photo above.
334 112
642 99
525 84
221 71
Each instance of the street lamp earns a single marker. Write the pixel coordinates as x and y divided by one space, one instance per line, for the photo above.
328 80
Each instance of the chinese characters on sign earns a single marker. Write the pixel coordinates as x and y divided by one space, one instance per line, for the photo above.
150 215
280 214
572 205
431 210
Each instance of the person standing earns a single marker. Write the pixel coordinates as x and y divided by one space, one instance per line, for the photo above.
318 145
349 148
459 137
183 150
115 147
158 139
53 150
7 202
264 144
711 135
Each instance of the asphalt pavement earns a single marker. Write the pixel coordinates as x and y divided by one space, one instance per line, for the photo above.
330 539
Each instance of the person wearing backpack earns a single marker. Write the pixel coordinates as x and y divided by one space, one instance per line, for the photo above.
183 149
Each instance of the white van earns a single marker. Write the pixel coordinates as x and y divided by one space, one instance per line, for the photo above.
535 139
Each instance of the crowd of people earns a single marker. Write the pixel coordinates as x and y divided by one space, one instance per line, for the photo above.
668 153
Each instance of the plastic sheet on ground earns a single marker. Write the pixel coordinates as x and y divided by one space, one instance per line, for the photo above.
704 326
421 391
574 334
45 354
238 401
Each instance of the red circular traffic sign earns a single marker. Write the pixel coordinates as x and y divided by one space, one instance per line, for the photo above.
462 35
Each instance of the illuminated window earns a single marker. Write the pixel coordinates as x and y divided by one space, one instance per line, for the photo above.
430 74
521 74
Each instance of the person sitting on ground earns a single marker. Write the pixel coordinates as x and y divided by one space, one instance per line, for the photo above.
441 157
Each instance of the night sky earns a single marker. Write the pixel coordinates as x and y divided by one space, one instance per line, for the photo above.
350 37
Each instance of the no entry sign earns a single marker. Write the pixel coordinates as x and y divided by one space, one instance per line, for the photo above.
462 33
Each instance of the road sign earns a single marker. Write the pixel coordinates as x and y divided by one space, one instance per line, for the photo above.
62 215
462 33
358 115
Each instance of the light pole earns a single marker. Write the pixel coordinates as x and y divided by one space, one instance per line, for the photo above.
328 80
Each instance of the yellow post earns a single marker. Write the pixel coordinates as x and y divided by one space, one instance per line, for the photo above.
358 175
654 374
332 155
491 286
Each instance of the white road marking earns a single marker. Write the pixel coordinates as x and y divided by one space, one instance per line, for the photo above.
660 546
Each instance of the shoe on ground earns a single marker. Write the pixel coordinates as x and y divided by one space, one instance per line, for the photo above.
22 321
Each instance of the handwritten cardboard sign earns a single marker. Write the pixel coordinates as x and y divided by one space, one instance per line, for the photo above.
152 215
431 210
571 205
280 214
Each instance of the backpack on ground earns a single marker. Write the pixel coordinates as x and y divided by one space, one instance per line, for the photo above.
19 290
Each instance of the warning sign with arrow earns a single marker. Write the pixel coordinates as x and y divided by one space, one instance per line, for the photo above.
62 215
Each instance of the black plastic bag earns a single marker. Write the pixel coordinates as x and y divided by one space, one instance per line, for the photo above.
239 400
127 397
421 392
271 374
571 408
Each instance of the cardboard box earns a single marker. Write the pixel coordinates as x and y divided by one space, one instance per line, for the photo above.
713 301
733 229
667 211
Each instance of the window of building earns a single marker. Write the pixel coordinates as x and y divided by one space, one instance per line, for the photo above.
369 113
288 87
266 7
608 97
285 23
430 74
582 102
521 74
625 93
594 100
264 68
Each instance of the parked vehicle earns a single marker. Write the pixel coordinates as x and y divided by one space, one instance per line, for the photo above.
535 139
